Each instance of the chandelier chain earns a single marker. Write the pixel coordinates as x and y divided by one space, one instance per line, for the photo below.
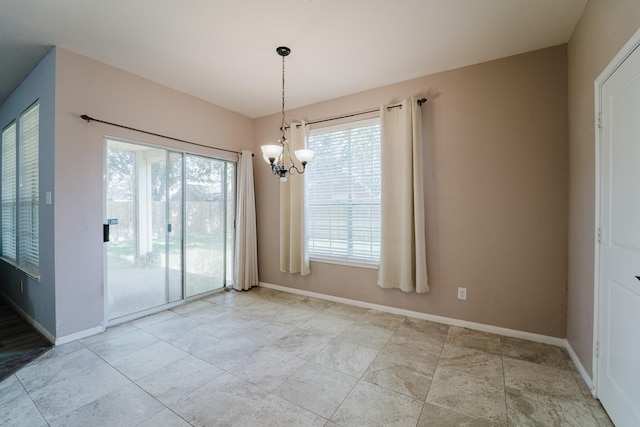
282 127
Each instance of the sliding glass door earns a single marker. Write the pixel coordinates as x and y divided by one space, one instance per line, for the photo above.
166 219
210 205
169 226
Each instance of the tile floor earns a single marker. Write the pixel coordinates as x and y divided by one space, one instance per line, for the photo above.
268 358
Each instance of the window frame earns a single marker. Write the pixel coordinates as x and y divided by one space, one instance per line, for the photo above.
338 260
14 191
18 261
28 248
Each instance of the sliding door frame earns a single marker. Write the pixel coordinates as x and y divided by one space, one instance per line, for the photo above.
183 224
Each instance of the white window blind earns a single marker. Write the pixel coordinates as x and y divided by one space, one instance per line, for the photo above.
8 247
28 191
343 193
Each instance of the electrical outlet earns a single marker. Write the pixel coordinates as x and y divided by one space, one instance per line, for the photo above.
462 293
21 286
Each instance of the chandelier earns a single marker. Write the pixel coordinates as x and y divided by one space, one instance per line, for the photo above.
275 154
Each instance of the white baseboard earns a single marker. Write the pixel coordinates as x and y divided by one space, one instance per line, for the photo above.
79 335
561 342
23 314
583 372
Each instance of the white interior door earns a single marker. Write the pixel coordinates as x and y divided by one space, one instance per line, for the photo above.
618 364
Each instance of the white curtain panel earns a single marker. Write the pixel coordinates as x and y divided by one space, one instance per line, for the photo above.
294 245
403 261
246 241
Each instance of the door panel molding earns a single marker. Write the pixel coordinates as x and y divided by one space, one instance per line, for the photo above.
603 243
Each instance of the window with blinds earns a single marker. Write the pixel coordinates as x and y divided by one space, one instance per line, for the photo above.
28 191
19 192
343 193
8 196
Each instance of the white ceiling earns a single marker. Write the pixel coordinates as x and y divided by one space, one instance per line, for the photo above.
223 51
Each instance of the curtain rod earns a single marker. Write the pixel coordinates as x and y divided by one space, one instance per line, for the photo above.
89 119
345 116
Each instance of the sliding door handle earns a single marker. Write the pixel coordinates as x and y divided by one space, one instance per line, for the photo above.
105 228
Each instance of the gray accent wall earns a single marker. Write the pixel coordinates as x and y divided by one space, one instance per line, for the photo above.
68 302
37 299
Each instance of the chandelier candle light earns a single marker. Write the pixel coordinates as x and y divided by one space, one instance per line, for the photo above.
274 154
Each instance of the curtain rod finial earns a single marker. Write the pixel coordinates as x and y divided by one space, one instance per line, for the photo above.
422 101
85 117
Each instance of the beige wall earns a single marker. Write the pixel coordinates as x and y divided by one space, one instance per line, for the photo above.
84 86
605 26
496 195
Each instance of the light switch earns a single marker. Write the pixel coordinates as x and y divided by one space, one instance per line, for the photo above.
47 198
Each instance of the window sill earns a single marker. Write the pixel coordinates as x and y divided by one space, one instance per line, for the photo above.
26 271
359 264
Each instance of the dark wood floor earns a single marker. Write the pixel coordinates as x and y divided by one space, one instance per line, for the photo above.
19 343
